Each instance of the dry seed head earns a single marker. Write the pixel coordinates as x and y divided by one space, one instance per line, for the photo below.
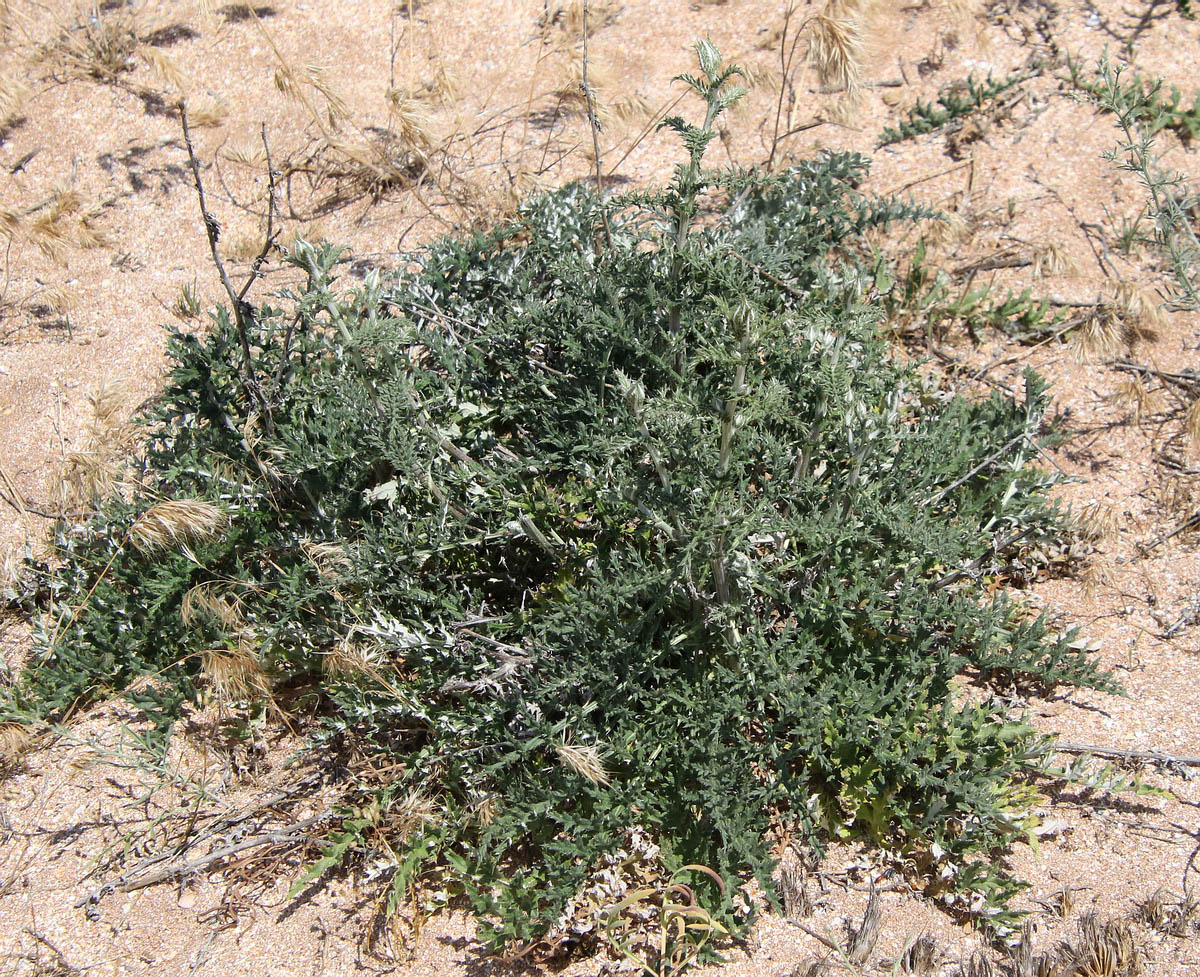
248 153
164 67
327 558
1191 426
1143 310
1101 337
207 111
176 521
485 810
1053 259
236 674
206 601
582 760
349 657
13 92
411 813
1132 395
59 299
15 741
407 113
86 477
837 50
1096 521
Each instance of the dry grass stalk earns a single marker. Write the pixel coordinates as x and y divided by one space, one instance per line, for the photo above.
1131 395
586 761
13 92
212 602
236 674
91 472
837 46
177 521
1142 308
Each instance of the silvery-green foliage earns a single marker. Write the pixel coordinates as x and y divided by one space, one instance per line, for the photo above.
636 498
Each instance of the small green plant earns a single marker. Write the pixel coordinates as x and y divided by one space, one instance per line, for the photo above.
1145 101
954 101
581 535
187 303
1172 201
925 297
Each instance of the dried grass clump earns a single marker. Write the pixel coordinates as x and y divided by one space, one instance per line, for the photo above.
1096 521
213 603
585 761
327 558
1101 949
100 44
1191 426
571 93
370 161
177 521
1168 912
13 93
15 741
837 46
92 471
1133 396
1053 259
1101 337
1142 308
54 224
236 674
569 15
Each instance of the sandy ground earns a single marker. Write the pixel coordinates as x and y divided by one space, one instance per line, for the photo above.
83 301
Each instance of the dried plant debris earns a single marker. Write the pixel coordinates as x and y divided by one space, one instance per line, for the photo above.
1169 912
1100 949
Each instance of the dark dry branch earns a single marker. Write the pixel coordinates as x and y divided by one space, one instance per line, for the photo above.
196 865
242 312
1154 756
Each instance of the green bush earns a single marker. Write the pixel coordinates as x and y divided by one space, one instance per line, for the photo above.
576 535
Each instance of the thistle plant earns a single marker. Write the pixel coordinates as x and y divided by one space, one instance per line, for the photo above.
585 543
1170 197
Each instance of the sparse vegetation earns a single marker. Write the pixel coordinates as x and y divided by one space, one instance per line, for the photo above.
956 101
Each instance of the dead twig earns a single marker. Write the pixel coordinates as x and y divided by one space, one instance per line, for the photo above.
243 313
1154 756
196 865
